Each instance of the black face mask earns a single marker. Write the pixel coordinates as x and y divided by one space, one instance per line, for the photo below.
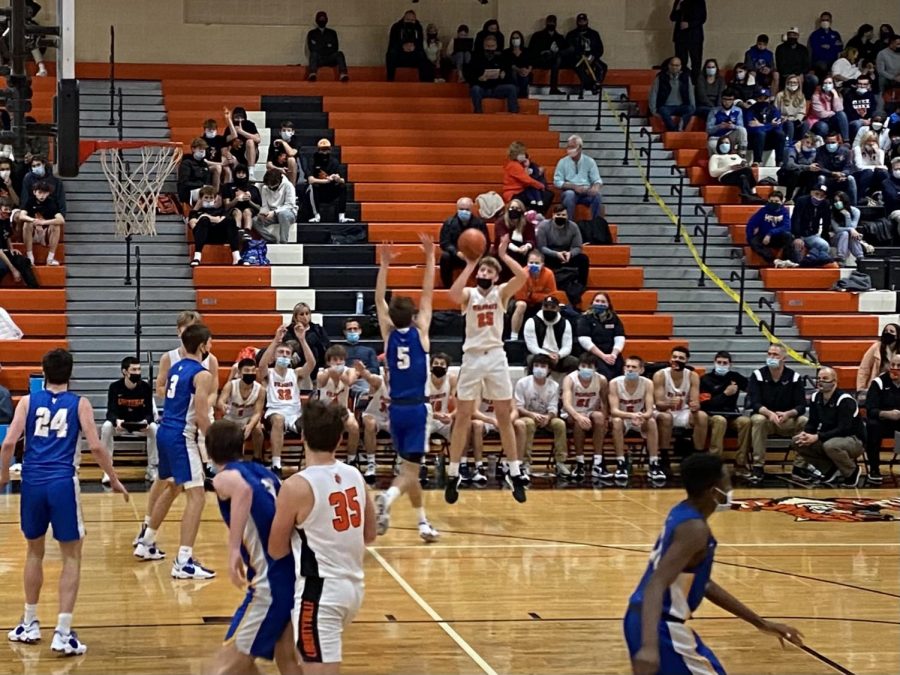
439 371
321 23
792 41
483 283
432 36
323 156
514 214
248 378
561 221
888 339
551 27
676 365
240 180
549 315
134 378
204 355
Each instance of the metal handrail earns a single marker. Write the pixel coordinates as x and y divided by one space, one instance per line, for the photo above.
112 75
699 210
648 153
138 328
678 190
734 276
765 302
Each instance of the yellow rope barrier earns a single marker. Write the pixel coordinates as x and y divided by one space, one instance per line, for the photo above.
725 288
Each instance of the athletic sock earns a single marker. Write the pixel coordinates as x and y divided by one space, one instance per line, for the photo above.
420 513
235 256
598 459
185 553
276 462
30 614
64 624
147 521
620 459
149 536
391 494
453 469
515 467
351 458
198 255
513 336
370 457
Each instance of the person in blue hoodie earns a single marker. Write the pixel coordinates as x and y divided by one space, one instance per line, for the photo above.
770 228
797 174
759 53
825 45
764 129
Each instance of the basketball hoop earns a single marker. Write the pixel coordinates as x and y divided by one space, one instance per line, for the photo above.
135 183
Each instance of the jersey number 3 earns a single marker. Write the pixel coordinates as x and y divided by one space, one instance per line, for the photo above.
43 425
347 511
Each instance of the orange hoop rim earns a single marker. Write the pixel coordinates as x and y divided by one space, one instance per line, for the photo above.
89 147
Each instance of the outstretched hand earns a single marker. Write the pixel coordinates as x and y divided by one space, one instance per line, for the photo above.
427 244
387 254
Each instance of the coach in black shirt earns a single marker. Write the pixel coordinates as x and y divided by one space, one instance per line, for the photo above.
883 415
719 391
129 408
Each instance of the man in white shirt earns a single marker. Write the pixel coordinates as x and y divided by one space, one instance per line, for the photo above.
578 179
537 402
279 206
550 333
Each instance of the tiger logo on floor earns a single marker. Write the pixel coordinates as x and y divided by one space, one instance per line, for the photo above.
831 509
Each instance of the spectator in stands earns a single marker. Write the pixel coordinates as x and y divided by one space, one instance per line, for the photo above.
327 186
559 239
766 77
530 298
860 105
218 154
406 48
799 171
353 352
726 121
868 160
488 74
631 411
335 383
676 391
810 223
375 420
41 171
42 221
586 50
278 210
777 401
316 337
460 50
688 17
585 402
519 60
890 188
875 361
11 261
835 166
242 200
578 179
710 89
600 332
793 104
844 220
826 111
770 228
550 333
865 42
672 95
490 28
244 138
130 410
522 236
833 437
7 189
193 172
324 50
719 392
759 53
825 44
537 402
882 415
451 257
730 168
887 63
743 84
434 52
284 153
846 70
885 35
211 224
877 127
791 57
520 181
764 130
548 49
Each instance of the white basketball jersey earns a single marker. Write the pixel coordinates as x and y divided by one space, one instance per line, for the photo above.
379 404
673 392
585 400
631 402
175 355
439 397
239 408
283 392
335 392
484 320
331 542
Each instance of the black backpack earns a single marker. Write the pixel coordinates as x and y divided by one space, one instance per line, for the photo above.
595 231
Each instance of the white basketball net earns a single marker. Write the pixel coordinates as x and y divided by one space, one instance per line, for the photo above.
135 184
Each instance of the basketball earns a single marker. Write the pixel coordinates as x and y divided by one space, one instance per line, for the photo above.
472 243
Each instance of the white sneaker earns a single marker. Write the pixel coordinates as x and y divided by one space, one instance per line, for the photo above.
191 570
53 262
68 645
28 634
144 551
42 70
428 534
15 467
344 219
316 219
562 471
140 535
370 473
105 480
382 514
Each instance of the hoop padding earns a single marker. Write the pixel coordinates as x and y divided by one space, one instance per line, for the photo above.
135 185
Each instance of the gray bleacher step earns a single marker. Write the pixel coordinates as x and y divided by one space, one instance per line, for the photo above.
723 306
104 272
148 319
148 330
77 294
712 320
101 343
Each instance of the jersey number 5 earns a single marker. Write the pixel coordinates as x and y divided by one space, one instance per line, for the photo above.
43 425
347 511
402 358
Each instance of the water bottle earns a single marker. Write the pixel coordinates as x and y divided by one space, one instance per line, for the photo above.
359 302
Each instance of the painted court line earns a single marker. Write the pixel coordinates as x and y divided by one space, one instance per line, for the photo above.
420 547
410 591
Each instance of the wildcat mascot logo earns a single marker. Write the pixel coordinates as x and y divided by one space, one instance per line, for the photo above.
831 509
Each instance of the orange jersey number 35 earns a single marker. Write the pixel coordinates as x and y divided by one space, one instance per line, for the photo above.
347 510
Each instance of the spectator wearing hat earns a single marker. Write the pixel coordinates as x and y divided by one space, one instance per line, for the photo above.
326 185
549 332
811 220
587 48
548 49
688 17
792 57
540 285
324 50
770 228
825 44
672 95
764 130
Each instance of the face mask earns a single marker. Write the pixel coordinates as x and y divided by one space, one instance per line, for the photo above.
896 174
773 207
464 214
439 371
248 378
551 27
792 40
549 315
721 370
283 362
571 152
208 203
287 135
816 200
338 368
599 307
676 365
484 283
199 154
586 373
561 221
827 87
38 170
431 36
4 174
514 214
203 356
839 206
888 338
134 378
240 180
631 375
726 505
516 42
825 25
725 148
238 120
827 387
489 53
539 372
521 158
831 147
862 90
534 269
793 87
352 338
740 75
711 71
877 126
772 363
210 133
321 23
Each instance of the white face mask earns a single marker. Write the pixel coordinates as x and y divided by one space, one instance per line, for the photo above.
287 135
210 133
338 368
827 87
726 505
793 87
571 152
4 174
896 173
208 203
199 154
515 42
539 372
521 158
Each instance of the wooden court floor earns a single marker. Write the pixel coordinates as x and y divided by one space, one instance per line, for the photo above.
533 588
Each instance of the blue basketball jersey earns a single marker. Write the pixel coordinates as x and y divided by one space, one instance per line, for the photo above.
261 568
52 431
179 413
407 363
683 597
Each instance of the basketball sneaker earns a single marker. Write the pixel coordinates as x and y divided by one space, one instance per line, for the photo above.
874 479
105 480
655 472
370 473
191 570
152 474
427 533
68 645
500 472
276 470
600 472
382 514
451 490
578 472
29 634
518 484
562 471
526 473
852 480
478 477
140 535
144 551
622 472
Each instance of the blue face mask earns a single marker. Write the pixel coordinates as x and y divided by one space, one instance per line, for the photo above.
464 214
352 338
721 370
283 362
725 148
38 170
586 373
631 376
772 363
831 147
599 307
535 269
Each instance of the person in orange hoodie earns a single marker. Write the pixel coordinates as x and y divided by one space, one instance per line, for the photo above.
519 181
540 284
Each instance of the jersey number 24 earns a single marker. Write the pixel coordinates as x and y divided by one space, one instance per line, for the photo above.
43 425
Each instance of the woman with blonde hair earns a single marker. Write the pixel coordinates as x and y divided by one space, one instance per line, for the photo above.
792 104
519 178
876 359
846 68
522 235
316 337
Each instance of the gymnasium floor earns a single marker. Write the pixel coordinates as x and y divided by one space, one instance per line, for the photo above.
536 588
